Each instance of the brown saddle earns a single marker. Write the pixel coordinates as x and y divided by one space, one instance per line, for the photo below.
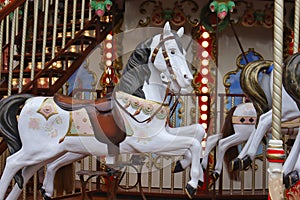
70 104
107 122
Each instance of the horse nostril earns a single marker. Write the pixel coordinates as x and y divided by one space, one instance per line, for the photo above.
185 76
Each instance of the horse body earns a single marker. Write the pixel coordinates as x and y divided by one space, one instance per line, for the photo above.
45 130
238 126
289 111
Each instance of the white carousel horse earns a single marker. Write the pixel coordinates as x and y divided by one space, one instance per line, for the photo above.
260 92
238 126
122 123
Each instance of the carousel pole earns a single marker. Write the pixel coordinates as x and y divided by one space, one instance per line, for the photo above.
296 26
275 151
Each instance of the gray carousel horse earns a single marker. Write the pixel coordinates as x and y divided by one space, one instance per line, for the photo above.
260 93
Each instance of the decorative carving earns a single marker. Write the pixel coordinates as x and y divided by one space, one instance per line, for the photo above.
240 63
157 15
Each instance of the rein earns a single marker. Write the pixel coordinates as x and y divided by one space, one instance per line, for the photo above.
161 44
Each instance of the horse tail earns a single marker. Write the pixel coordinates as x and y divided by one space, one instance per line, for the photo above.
232 152
251 87
9 125
290 77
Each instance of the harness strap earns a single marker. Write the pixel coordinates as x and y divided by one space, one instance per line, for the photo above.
149 118
160 44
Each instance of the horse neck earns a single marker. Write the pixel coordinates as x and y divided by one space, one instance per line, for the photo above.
156 89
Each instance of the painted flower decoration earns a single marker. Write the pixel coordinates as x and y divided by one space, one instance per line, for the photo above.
100 6
222 7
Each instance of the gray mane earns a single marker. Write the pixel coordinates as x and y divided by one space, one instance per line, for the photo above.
136 70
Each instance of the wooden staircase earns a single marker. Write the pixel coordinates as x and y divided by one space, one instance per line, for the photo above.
53 57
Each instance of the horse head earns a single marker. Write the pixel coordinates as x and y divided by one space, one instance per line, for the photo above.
168 59
160 60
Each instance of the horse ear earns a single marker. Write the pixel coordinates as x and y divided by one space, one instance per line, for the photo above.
180 32
167 28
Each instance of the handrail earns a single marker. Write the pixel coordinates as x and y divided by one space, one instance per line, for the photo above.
10 8
48 64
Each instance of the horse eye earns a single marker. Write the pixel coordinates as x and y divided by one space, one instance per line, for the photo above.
173 51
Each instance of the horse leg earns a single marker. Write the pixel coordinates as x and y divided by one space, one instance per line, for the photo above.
48 183
223 146
263 126
22 159
292 163
180 165
211 142
292 177
196 172
198 132
236 164
12 166
27 173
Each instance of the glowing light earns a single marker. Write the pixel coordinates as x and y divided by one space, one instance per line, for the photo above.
42 81
39 65
109 45
204 71
29 65
204 116
204 125
73 48
205 54
204 107
15 82
204 89
109 37
108 63
205 62
107 80
205 44
86 33
205 35
109 71
109 55
58 64
204 80
204 98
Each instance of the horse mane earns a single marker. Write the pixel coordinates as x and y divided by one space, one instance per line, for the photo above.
232 152
251 87
136 70
290 77
9 126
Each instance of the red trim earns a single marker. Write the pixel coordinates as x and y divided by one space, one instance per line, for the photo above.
276 160
274 151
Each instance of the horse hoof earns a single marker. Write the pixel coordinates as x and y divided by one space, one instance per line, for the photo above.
215 176
235 164
200 184
290 179
45 197
43 192
178 167
245 162
190 191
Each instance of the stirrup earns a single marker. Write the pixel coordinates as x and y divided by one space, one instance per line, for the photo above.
290 179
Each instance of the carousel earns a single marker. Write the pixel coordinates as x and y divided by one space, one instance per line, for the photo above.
130 99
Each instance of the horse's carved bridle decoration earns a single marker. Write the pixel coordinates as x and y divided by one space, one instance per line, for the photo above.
160 45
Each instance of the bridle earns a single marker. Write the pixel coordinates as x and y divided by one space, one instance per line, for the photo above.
161 44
